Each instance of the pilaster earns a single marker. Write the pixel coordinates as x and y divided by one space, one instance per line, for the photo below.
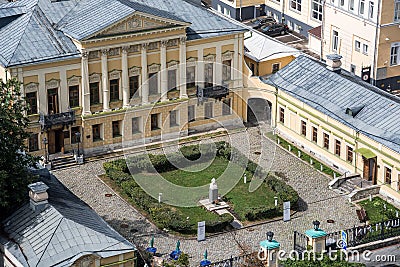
125 77
164 71
104 77
200 68
145 81
218 66
182 67
85 84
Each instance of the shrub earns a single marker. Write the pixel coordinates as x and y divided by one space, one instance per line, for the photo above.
258 213
220 224
118 176
285 192
119 164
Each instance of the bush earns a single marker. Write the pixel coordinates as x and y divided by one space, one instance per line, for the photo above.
258 213
219 225
285 192
119 164
118 176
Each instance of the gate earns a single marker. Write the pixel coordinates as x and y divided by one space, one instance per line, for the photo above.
239 261
300 242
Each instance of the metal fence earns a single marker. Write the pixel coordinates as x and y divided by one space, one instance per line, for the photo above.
365 234
300 242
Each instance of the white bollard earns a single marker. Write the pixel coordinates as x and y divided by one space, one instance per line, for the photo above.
299 154
311 161
334 175
159 197
370 197
244 178
321 167
290 147
279 141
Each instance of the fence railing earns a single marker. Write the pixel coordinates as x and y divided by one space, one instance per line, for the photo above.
300 242
238 261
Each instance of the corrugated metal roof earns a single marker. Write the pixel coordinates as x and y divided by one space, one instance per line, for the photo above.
332 93
12 11
61 233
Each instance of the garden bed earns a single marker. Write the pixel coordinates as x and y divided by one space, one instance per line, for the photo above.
376 211
258 205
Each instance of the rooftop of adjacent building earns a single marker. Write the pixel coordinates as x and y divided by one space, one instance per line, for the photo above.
343 97
61 231
41 30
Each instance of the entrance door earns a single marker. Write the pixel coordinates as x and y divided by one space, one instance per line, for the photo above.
369 172
56 141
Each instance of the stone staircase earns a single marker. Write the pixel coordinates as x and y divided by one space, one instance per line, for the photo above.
64 161
346 187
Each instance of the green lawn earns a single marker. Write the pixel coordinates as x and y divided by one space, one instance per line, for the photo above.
376 212
192 178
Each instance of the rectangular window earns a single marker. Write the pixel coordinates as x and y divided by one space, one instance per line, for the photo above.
136 125
351 4
171 79
365 49
303 128
52 100
314 134
341 3
282 115
133 86
295 4
190 76
317 9
275 67
357 46
116 128
397 10
33 142
226 107
73 96
226 70
153 84
114 90
94 93
31 100
353 68
74 138
96 132
208 110
388 176
326 141
395 54
191 115
208 74
349 155
335 40
337 147
154 121
371 10
173 120
362 7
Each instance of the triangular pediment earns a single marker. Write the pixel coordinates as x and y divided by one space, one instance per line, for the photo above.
138 23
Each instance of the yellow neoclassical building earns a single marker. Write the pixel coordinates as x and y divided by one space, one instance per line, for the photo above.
84 64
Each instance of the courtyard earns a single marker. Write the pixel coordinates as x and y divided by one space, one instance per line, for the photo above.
317 202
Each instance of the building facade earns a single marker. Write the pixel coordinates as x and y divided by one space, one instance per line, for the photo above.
83 72
240 9
370 47
299 15
320 112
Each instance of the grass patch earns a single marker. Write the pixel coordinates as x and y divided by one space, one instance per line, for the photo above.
376 211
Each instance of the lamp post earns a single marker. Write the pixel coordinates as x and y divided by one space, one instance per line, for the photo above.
316 225
45 142
78 140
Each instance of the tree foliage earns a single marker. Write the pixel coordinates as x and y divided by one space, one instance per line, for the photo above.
14 175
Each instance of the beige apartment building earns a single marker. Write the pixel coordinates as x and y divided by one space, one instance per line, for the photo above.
134 72
367 35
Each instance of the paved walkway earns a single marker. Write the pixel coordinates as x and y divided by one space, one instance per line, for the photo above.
317 201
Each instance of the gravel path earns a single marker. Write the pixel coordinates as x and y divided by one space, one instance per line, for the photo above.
318 203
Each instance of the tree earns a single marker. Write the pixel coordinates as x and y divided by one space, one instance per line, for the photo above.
14 163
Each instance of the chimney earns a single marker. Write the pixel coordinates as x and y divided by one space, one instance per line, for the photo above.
334 63
38 196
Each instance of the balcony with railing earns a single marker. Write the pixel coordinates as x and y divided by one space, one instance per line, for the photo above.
64 118
216 92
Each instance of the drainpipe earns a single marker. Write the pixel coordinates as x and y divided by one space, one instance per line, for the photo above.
322 30
355 153
375 63
276 108
240 10
283 12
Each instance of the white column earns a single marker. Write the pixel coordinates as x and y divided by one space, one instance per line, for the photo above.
20 77
104 77
145 82
182 67
42 93
235 61
85 84
239 76
125 77
64 96
200 67
164 71
218 65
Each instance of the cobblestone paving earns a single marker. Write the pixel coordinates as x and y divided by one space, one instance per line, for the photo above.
318 203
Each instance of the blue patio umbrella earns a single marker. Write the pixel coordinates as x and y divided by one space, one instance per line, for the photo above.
177 252
151 248
205 261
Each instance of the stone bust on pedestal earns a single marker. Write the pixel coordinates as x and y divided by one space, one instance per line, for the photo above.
213 192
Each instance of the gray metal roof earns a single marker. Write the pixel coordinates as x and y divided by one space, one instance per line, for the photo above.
332 94
64 231
40 30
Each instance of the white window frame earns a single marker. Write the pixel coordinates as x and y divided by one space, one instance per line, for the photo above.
335 40
318 11
395 57
357 45
361 8
295 5
351 5
397 10
365 49
371 10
